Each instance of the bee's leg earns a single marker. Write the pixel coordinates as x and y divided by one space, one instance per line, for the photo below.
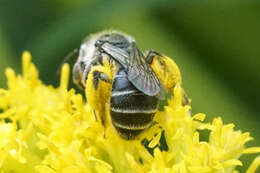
100 76
167 71
165 68
98 89
185 99
151 54
95 115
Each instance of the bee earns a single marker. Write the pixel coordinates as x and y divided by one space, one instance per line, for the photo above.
115 72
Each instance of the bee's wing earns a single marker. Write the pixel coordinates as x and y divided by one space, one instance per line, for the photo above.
140 74
120 55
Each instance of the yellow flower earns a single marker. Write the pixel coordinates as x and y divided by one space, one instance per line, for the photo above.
47 130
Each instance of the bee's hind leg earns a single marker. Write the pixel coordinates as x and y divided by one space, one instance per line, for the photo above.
165 68
167 71
150 55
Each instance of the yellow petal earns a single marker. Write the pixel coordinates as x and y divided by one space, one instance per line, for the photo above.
155 141
199 116
44 169
199 169
108 166
133 163
64 78
232 162
254 166
251 150
26 62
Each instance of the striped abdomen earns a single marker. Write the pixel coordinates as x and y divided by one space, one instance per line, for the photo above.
131 110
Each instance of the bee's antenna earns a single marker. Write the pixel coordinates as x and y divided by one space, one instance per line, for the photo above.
73 54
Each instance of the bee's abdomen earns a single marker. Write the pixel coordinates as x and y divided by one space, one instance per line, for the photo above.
131 110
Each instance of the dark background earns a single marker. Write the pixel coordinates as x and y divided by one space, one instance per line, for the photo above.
215 44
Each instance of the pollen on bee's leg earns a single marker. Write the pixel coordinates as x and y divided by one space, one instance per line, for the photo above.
104 133
103 121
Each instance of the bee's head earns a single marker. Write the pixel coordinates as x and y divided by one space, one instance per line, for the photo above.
90 54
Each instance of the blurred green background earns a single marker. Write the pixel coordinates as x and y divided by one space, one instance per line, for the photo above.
215 44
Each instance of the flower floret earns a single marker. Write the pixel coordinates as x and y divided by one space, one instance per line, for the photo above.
49 130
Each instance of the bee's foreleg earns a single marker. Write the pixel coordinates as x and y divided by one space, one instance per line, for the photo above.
98 89
100 76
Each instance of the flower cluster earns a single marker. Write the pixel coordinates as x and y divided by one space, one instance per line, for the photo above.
47 130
